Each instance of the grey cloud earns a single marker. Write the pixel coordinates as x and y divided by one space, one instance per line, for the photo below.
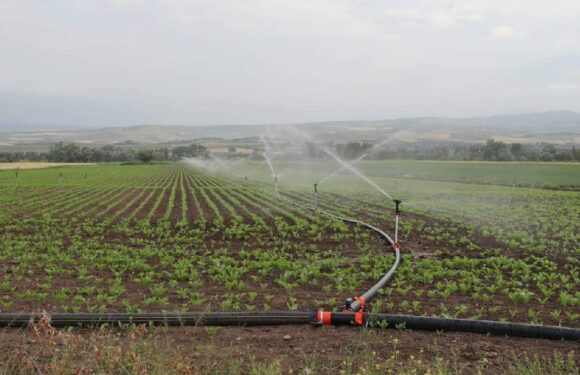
117 62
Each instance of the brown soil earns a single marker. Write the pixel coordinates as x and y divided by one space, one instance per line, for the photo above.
120 215
175 214
160 211
142 214
325 347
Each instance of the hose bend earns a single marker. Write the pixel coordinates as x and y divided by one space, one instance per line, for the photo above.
356 304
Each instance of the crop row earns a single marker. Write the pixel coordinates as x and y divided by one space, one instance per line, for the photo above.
172 237
178 194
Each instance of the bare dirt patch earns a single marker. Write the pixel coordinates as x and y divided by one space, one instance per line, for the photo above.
295 349
26 165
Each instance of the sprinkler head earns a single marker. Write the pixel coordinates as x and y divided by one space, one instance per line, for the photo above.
397 203
316 188
347 303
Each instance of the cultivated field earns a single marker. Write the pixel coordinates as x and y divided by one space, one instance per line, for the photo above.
175 238
34 165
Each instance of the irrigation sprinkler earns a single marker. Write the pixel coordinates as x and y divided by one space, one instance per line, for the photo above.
315 196
353 311
276 183
397 214
60 177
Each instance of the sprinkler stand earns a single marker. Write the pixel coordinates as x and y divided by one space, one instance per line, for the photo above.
315 196
276 184
397 214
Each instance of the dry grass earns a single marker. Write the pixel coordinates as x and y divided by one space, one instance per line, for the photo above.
42 349
37 165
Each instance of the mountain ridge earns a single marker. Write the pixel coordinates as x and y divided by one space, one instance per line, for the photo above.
552 126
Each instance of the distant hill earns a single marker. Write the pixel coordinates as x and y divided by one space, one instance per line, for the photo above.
556 127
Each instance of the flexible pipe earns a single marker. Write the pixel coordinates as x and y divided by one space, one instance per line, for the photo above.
424 323
295 318
372 292
163 318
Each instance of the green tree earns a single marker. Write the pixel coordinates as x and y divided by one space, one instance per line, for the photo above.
145 156
191 151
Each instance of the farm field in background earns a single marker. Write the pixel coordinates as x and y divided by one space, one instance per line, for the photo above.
34 165
173 237
520 174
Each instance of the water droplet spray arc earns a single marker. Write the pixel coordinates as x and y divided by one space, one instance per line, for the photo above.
364 155
355 171
344 164
269 162
219 161
266 154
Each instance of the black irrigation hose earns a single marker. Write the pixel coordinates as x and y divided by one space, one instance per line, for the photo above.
372 292
294 318
424 323
163 318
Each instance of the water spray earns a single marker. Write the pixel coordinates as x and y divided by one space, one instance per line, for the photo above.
356 172
361 157
270 165
315 197
219 161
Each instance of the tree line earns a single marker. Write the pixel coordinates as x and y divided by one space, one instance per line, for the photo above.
72 153
492 150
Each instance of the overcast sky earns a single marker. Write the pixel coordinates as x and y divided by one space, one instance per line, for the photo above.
88 63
